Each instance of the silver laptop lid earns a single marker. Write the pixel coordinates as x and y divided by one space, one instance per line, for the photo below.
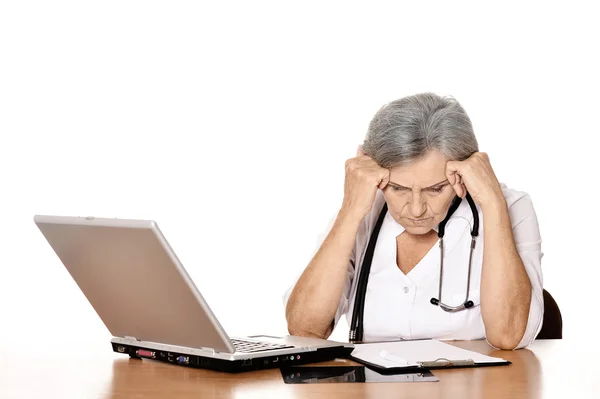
134 281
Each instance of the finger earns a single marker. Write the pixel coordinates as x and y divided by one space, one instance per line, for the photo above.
454 177
463 188
451 171
458 186
385 179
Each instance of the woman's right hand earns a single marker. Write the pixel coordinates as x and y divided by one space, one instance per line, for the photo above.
363 177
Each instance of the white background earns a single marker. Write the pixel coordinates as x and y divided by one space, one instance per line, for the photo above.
230 124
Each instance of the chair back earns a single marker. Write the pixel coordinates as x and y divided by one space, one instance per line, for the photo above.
552 323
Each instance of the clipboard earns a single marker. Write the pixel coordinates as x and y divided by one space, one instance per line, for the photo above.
420 355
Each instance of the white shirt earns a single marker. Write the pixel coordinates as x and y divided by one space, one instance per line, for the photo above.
397 306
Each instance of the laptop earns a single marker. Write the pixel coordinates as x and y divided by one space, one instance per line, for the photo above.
143 294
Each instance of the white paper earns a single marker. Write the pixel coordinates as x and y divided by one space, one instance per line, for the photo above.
415 352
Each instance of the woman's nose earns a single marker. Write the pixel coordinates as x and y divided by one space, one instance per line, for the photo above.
417 206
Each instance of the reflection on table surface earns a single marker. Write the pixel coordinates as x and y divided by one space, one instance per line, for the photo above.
345 374
546 369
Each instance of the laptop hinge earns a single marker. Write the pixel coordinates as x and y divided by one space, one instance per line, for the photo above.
131 338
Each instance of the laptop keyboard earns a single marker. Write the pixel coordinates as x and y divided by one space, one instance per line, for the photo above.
253 346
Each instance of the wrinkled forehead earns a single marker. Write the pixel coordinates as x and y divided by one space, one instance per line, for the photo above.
423 172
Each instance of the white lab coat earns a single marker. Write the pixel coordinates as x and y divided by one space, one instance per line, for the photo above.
397 306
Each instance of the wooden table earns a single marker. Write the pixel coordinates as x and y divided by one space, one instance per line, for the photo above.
547 369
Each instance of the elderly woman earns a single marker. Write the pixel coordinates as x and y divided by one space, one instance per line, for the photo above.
418 180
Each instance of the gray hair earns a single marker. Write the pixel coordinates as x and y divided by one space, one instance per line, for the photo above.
406 129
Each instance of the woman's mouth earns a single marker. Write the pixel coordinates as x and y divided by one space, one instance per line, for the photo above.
419 222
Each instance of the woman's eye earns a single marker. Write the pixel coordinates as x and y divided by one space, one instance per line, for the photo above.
431 190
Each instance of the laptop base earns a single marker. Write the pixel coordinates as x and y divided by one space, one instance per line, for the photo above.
233 366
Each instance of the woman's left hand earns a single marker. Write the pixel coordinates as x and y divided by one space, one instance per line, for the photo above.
476 176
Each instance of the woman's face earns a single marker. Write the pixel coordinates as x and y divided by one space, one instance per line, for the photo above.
419 195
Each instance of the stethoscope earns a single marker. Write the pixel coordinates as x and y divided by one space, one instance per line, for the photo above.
356 326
